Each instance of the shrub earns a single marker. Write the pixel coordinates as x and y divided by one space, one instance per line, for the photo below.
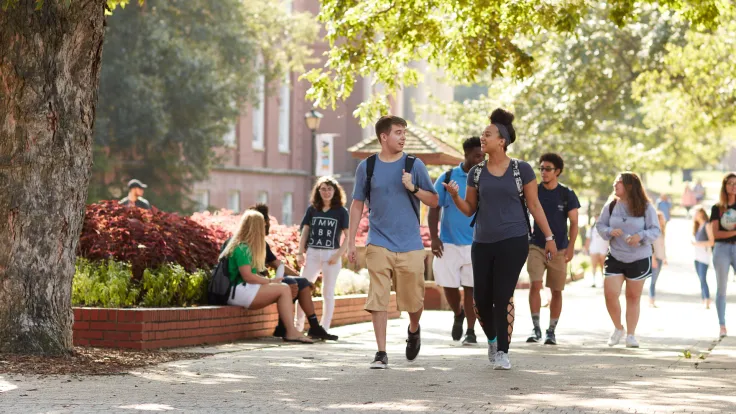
145 238
107 284
171 285
351 283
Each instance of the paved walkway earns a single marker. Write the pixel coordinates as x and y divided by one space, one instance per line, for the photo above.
581 374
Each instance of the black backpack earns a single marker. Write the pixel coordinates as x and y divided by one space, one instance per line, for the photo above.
220 286
371 165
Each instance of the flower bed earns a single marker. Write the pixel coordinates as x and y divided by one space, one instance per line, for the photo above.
154 328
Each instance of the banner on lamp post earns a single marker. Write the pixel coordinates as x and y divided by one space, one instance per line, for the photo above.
325 154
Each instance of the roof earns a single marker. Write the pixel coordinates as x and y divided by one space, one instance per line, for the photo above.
420 143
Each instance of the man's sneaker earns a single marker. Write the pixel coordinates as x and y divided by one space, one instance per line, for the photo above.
536 335
615 337
550 338
320 333
413 343
457 327
380 361
502 361
470 339
492 349
631 342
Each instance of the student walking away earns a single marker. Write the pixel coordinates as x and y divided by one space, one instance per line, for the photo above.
703 242
246 253
723 224
452 266
324 224
664 204
630 223
392 183
597 249
560 205
659 258
301 287
688 198
498 193
699 192
135 195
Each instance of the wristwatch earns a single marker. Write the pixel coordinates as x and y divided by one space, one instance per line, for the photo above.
416 189
550 238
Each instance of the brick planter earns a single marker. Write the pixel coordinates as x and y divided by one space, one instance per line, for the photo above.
153 328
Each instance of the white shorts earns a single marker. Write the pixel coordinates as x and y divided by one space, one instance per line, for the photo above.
454 268
244 295
598 245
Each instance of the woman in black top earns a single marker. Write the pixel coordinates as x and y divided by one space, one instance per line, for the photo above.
723 222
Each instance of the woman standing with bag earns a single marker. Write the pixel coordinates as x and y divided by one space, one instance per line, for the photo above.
498 193
630 223
325 222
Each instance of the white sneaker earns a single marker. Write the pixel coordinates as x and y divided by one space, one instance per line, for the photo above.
492 349
615 337
502 361
631 342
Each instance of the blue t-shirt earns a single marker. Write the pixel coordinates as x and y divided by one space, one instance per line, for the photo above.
500 214
454 226
393 223
665 206
553 204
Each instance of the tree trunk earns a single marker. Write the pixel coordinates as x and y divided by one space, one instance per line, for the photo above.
49 75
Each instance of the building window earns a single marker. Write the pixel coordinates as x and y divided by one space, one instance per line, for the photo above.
287 210
284 112
229 138
262 197
201 200
233 201
259 112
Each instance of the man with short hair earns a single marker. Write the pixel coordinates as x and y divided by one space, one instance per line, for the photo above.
452 265
560 204
393 183
135 195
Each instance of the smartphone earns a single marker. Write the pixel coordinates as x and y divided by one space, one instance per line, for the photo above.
549 256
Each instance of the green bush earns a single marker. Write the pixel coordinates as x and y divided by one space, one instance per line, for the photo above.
171 285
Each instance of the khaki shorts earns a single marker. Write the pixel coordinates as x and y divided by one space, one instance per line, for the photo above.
556 269
407 272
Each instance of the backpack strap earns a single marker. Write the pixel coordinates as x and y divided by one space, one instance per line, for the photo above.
565 196
448 176
408 165
476 182
611 206
520 189
370 165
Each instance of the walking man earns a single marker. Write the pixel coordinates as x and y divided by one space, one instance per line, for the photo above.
135 195
452 265
560 204
393 183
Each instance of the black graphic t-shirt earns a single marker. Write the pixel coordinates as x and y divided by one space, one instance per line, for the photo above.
325 227
725 220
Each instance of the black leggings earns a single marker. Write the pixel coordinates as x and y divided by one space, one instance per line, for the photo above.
496 268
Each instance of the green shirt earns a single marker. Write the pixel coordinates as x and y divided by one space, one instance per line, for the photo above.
241 256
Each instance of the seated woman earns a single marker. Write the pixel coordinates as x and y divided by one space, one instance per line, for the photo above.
247 255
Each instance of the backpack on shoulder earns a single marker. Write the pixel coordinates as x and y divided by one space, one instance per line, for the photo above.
220 286
371 166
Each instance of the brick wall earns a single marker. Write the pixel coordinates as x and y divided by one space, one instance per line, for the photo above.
150 328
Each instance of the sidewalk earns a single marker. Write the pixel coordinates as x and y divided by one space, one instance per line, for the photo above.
581 375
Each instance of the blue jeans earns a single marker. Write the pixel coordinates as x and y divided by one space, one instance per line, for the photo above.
724 257
702 270
655 275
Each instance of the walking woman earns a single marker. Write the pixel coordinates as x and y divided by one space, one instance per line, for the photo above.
659 258
630 222
597 249
703 242
723 224
498 193
324 224
247 256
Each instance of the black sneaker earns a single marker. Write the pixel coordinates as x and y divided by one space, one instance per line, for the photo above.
320 333
457 327
280 331
413 343
380 361
550 338
536 336
470 339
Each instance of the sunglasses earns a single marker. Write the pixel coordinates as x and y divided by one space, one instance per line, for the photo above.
548 169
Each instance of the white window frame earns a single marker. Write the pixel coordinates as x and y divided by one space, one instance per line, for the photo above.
287 209
229 140
284 116
233 201
258 115
262 197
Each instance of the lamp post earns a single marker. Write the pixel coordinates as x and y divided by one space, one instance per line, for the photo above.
313 118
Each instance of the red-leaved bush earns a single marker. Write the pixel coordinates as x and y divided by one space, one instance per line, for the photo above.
146 239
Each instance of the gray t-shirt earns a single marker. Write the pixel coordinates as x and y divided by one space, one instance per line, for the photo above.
646 227
500 214
393 223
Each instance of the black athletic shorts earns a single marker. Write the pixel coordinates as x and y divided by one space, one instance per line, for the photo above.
638 270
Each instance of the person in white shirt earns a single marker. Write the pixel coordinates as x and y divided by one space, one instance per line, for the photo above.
597 249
